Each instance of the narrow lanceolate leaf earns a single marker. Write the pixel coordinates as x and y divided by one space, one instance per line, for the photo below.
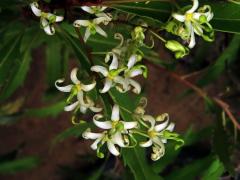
228 56
18 70
75 131
52 110
53 60
222 145
9 167
215 170
11 52
193 170
153 11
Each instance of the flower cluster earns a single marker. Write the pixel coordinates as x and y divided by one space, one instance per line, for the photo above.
47 20
92 26
194 21
124 65
120 66
118 133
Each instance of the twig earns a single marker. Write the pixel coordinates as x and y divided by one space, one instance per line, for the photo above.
226 109
223 105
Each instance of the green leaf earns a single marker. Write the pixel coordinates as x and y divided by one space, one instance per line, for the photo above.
19 70
11 52
192 170
155 12
221 144
52 110
74 131
226 17
135 159
54 60
228 56
214 172
14 166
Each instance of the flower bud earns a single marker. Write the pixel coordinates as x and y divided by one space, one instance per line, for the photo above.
179 50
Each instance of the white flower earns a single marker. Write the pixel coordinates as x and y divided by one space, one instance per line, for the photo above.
113 134
78 89
155 133
97 10
133 70
111 74
92 26
193 21
47 20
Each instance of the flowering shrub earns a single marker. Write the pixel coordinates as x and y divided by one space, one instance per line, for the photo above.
114 41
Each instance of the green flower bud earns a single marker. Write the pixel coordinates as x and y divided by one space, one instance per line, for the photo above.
52 19
120 126
179 50
202 19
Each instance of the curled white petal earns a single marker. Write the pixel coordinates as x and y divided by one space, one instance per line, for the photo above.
164 141
88 9
63 88
146 144
73 76
161 126
71 106
107 85
136 86
79 23
112 148
114 64
103 8
87 34
90 135
83 109
198 29
209 16
88 87
101 31
179 17
130 125
170 127
49 29
100 20
192 39
132 60
100 69
196 15
149 119
123 82
101 124
36 11
194 7
80 98
59 18
118 139
95 143
135 72
115 113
